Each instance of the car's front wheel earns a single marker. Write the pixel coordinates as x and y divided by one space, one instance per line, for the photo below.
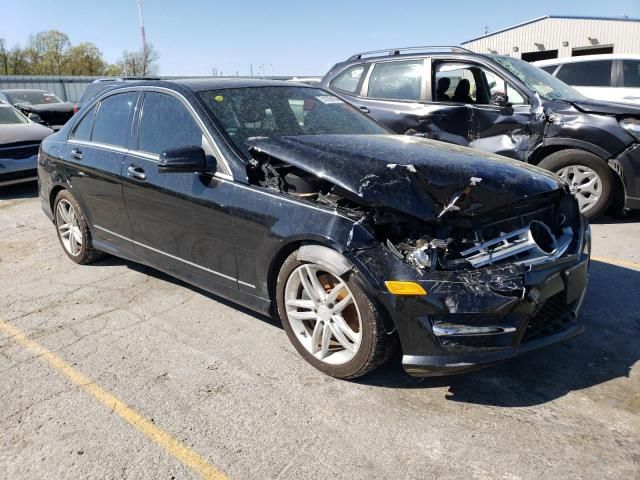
73 229
589 177
330 320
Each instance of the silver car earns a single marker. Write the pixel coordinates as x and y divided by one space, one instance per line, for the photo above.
19 143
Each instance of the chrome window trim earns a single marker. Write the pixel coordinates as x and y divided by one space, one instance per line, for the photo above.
102 146
189 107
174 257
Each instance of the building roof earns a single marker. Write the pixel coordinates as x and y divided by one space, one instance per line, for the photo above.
567 17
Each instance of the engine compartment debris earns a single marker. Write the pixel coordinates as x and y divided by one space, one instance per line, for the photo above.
464 235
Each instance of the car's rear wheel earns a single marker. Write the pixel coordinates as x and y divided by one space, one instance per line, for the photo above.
330 320
589 177
73 230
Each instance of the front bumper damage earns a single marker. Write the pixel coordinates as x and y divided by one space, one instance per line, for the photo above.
475 318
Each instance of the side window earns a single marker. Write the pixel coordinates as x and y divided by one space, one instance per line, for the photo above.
586 74
514 97
166 123
631 73
396 80
83 129
113 119
455 82
348 80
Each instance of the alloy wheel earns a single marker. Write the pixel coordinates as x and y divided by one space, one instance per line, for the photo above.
585 185
68 226
323 314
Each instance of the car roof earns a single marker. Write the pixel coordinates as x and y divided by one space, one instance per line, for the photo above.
586 58
200 85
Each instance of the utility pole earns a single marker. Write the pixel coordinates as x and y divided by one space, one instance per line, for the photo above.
142 34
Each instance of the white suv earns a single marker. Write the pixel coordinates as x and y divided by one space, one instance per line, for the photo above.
611 77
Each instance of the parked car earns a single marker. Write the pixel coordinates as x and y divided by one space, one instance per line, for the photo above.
19 143
101 85
502 105
352 235
611 77
39 106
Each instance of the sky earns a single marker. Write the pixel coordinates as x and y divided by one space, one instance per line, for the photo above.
285 37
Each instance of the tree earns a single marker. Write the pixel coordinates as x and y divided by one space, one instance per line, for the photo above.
139 64
4 57
85 59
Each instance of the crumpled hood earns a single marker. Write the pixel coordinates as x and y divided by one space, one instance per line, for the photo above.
413 175
23 132
607 108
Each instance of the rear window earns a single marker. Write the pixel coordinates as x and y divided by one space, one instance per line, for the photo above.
113 119
586 74
32 97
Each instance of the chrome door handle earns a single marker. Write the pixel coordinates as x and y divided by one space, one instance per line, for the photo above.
137 173
364 109
76 153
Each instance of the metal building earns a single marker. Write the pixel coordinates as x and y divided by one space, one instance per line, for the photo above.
557 36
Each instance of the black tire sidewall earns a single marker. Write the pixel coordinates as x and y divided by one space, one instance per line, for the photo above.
564 158
367 312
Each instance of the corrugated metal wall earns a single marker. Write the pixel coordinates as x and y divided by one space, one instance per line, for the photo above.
624 35
67 88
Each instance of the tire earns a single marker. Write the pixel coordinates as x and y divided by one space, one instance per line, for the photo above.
75 240
375 345
578 168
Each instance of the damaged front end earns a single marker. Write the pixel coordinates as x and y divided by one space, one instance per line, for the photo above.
500 249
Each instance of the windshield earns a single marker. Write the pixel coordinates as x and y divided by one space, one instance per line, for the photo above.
9 115
251 112
33 97
540 81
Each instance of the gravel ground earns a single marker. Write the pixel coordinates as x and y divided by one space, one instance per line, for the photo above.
226 383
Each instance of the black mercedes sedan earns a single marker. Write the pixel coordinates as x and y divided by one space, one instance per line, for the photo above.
287 200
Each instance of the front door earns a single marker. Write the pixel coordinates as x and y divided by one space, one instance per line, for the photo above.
179 220
478 108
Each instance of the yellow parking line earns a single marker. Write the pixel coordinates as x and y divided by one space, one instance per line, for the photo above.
176 449
615 261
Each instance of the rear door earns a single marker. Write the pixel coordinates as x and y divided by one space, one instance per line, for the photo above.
393 94
93 166
180 221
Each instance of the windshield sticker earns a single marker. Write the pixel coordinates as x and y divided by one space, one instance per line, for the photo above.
218 98
328 99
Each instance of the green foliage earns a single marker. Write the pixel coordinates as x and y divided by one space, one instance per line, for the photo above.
51 53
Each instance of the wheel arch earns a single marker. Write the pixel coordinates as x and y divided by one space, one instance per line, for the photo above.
553 146
337 251
53 194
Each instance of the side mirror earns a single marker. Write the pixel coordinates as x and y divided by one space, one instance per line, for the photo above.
499 99
183 159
